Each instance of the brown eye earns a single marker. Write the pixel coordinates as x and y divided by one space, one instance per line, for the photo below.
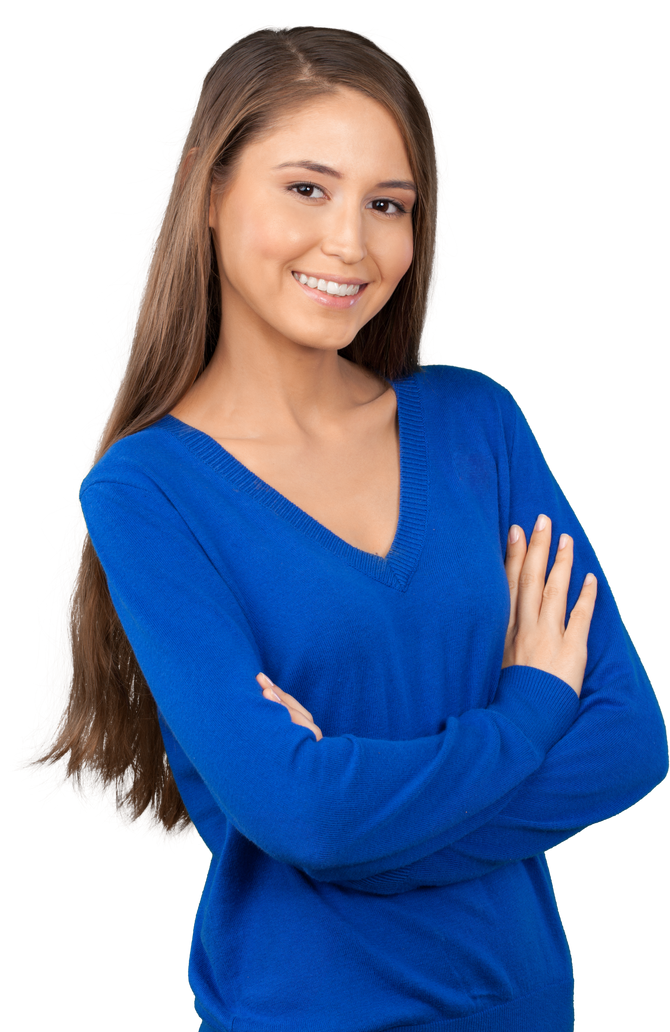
308 190
387 207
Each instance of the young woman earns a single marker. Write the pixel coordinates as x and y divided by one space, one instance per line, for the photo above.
282 492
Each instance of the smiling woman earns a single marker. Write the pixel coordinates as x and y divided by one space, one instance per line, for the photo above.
339 228
184 356
282 487
303 267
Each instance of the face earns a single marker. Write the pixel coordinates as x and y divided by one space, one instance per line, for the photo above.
314 231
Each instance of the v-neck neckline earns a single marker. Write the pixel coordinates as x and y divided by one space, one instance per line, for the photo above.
395 568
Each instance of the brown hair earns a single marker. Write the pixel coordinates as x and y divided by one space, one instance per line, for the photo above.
110 726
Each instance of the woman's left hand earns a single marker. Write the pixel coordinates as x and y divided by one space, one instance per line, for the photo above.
298 713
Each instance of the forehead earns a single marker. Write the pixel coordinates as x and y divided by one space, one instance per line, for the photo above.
345 130
335 111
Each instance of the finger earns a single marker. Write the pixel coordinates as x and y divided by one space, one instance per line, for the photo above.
582 611
298 717
516 552
270 689
274 692
514 557
269 686
555 593
297 712
533 573
292 702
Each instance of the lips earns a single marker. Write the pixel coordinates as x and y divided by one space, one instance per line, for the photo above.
331 293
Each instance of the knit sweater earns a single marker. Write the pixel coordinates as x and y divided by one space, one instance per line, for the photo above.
391 875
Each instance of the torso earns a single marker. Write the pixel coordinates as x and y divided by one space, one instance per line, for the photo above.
349 483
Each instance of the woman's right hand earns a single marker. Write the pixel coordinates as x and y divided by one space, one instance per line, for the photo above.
298 713
537 635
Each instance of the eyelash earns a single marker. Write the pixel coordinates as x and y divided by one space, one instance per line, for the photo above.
402 210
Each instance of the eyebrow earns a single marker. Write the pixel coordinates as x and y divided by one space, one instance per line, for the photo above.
325 170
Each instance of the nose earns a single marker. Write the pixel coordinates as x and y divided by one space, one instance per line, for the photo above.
344 236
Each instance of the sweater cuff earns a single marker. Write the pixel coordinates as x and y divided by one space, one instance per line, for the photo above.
540 704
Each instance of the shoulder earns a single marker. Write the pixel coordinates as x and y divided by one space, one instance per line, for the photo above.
138 460
465 394
466 410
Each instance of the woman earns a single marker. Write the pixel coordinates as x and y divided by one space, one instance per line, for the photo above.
283 492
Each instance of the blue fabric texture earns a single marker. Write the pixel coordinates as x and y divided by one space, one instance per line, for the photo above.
391 875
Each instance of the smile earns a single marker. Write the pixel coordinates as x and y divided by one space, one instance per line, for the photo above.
328 286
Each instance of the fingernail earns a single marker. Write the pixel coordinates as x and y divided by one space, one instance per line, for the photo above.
268 679
273 695
589 579
562 541
513 534
540 522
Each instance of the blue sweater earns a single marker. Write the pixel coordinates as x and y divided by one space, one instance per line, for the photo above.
391 875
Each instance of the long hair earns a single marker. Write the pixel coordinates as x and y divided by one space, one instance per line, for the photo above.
110 725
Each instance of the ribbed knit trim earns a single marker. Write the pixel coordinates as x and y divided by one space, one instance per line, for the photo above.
396 568
550 1008
541 704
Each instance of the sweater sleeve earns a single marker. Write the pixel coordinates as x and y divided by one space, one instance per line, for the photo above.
348 804
567 794
614 753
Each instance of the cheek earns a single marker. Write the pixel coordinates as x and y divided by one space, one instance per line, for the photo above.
406 254
245 240
396 257
251 232
282 237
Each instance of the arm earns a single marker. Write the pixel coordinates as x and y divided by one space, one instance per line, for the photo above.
582 781
354 801
613 754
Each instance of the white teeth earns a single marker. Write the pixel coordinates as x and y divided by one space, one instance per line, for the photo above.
328 286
